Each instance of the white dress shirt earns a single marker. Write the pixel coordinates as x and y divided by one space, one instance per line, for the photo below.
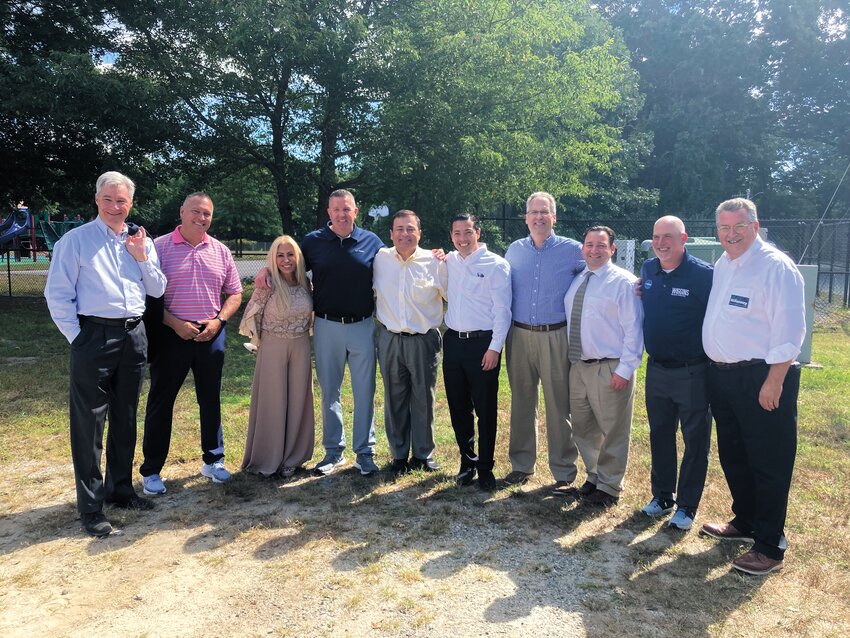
611 317
408 292
479 294
91 273
756 309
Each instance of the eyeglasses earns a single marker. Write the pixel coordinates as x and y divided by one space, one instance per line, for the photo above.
738 228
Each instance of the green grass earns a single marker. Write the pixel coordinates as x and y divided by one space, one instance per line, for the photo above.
399 538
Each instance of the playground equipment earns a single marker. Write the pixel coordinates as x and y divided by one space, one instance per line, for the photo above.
11 229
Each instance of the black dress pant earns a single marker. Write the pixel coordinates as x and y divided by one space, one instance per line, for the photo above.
107 368
170 365
470 388
674 397
757 450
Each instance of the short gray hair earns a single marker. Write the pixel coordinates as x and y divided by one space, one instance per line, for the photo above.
114 178
737 203
544 195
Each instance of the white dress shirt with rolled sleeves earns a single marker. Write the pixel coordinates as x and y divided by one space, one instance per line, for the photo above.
756 309
479 294
611 319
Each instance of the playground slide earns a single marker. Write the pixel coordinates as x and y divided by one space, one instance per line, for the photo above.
14 230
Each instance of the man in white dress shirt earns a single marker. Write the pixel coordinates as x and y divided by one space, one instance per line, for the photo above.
605 319
753 331
409 307
478 318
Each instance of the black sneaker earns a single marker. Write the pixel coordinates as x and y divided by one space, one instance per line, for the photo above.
517 478
95 524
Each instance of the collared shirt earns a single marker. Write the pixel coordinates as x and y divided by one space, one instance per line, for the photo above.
91 273
757 308
197 275
479 294
342 271
611 317
408 292
541 276
674 307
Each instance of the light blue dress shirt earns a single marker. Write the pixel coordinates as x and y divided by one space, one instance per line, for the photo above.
540 278
91 273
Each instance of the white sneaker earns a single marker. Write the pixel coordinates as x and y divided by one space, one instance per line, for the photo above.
216 471
683 519
152 485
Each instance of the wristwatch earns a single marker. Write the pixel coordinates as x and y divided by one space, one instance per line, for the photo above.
223 321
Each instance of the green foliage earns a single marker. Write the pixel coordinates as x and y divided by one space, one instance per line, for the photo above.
742 97
63 118
491 100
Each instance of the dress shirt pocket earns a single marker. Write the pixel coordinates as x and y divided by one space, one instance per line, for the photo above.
739 302
424 290
599 307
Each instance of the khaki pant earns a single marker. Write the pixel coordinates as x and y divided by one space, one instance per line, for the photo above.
535 359
602 423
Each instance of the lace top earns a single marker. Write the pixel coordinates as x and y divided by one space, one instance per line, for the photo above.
263 310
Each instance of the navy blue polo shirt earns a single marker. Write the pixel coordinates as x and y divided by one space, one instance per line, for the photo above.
342 271
674 308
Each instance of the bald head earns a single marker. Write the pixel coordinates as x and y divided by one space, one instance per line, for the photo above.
668 241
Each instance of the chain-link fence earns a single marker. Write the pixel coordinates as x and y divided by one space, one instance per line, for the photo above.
827 245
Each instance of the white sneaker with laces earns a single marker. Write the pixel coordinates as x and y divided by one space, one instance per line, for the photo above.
216 471
152 485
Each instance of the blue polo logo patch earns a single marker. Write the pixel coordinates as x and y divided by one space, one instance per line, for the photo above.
647 284
739 301
680 292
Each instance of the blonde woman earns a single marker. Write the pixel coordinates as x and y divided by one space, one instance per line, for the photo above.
277 319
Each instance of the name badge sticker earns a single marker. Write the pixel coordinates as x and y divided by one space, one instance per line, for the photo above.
739 301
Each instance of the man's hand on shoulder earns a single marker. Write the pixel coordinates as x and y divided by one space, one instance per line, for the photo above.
439 254
262 281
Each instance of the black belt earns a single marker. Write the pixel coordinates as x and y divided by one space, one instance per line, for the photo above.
738 364
544 327
679 364
407 334
342 319
127 323
603 360
472 334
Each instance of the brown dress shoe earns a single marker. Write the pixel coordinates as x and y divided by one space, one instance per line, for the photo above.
756 563
598 497
725 532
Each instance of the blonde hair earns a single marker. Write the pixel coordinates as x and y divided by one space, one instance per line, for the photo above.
279 284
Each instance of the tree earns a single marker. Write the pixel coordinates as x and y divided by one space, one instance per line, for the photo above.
411 102
62 117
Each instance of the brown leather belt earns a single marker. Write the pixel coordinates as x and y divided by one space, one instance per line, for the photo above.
545 327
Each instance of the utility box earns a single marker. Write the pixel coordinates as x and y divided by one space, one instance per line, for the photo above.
810 280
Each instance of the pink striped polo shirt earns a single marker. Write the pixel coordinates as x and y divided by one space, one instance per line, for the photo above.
197 275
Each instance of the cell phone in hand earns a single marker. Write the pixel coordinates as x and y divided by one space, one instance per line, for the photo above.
132 228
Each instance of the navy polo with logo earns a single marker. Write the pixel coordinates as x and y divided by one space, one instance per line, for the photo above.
674 308
342 271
